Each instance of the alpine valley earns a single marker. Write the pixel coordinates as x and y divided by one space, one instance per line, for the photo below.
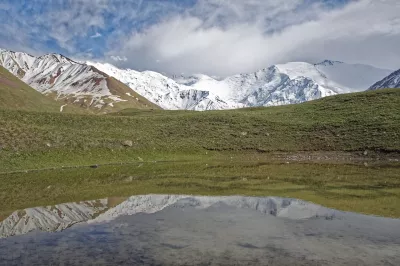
103 87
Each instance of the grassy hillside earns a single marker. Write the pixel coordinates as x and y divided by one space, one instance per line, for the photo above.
352 122
130 99
15 94
307 151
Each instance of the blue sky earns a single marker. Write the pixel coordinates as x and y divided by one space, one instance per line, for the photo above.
218 37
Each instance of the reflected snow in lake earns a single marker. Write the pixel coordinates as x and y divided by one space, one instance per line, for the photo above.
194 230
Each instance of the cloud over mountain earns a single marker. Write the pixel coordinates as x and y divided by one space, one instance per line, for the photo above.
209 36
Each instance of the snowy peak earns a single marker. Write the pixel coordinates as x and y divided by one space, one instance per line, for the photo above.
164 91
55 58
16 62
298 69
289 83
72 82
89 84
327 62
390 82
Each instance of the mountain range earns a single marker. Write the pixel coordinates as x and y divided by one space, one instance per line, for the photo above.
290 83
104 87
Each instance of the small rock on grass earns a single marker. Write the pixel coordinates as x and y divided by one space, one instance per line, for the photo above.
127 143
129 179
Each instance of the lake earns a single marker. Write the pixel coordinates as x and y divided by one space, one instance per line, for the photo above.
196 230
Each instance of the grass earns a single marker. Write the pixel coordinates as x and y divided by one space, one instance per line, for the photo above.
351 122
350 187
216 153
15 94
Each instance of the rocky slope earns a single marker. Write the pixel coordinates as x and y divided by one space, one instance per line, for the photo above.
72 83
390 82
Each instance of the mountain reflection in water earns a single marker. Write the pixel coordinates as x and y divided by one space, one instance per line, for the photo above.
191 230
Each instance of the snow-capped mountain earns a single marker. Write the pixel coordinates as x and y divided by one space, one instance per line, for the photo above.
390 82
164 91
71 82
16 62
289 83
89 84
293 82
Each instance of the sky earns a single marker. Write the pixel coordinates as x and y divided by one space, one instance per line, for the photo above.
214 37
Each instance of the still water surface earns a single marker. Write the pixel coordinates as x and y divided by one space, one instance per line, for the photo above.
189 230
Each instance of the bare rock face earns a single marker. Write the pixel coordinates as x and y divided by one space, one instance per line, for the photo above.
390 82
72 82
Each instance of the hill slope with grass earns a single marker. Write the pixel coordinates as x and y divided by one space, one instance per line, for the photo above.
349 122
15 94
73 83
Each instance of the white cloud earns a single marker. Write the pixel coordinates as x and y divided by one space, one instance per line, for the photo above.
96 35
227 37
118 58
217 37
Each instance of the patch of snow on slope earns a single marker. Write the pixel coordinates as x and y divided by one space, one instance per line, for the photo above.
62 108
